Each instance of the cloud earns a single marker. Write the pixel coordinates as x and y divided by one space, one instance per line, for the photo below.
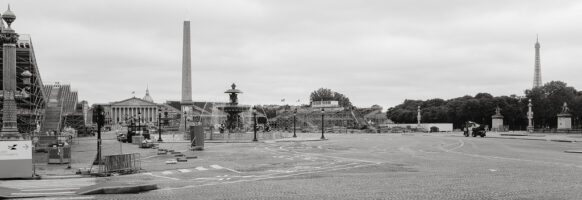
375 52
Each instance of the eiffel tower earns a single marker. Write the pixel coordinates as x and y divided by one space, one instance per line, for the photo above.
538 68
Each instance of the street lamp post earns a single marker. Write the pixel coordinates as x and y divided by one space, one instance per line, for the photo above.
322 124
185 129
294 119
255 124
159 125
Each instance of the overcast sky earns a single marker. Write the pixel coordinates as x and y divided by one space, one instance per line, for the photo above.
374 51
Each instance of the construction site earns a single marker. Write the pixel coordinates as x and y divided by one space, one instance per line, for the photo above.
42 108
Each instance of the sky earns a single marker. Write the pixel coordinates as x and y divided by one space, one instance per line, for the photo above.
374 51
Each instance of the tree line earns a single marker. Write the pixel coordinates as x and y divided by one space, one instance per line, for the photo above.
547 102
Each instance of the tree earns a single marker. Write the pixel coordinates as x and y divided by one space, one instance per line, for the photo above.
547 102
324 94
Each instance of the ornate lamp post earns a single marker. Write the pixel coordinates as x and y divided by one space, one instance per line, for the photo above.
530 126
322 123
160 125
255 124
9 88
294 119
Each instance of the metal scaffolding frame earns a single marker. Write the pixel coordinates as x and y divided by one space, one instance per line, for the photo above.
30 110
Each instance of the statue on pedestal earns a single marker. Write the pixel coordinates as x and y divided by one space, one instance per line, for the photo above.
565 108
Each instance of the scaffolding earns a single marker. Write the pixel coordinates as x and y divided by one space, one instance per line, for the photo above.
31 108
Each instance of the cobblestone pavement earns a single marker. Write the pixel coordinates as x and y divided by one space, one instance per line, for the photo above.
370 166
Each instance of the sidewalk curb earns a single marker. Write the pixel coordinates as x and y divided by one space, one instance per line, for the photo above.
517 138
511 134
125 189
63 177
540 139
226 141
306 140
573 151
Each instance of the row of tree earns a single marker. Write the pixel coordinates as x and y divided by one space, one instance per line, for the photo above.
547 102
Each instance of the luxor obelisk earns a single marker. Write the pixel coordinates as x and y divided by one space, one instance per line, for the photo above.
186 76
186 67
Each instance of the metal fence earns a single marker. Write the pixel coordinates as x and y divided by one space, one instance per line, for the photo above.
273 135
122 163
44 142
59 155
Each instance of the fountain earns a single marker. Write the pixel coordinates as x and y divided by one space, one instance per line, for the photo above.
234 122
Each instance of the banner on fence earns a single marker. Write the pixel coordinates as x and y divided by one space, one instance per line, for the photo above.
16 159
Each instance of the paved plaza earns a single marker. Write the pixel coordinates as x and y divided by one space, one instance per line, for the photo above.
367 166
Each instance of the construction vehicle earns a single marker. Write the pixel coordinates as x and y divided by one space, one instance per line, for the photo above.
474 129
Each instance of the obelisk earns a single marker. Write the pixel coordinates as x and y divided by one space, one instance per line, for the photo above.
186 66
186 79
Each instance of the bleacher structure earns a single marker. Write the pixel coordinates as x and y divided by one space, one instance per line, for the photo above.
62 109
338 120
31 108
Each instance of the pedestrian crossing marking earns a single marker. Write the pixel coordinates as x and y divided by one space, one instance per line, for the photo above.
201 168
216 166
184 170
167 172
150 174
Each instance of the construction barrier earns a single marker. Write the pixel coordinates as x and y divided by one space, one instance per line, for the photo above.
122 163
16 159
59 155
197 137
45 142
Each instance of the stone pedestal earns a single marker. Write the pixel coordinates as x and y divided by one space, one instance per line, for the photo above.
564 121
497 123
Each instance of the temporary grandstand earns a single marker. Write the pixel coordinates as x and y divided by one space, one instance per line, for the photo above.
30 108
336 120
63 109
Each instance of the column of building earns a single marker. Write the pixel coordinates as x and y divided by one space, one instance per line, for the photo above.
144 114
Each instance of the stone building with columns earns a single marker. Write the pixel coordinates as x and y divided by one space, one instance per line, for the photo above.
142 110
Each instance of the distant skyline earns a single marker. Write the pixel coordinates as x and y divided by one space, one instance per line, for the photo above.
374 52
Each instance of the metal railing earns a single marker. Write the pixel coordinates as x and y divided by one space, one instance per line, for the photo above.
122 163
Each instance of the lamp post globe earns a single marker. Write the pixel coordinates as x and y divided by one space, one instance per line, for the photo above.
159 125
322 124
294 120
